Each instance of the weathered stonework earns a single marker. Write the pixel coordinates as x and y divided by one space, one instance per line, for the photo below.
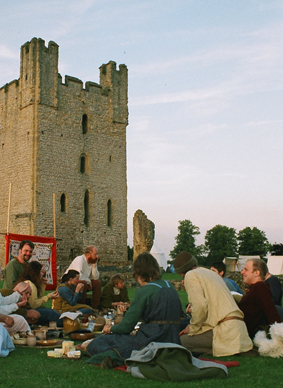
70 140
144 231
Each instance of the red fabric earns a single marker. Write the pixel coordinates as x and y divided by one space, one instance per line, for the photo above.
228 364
35 239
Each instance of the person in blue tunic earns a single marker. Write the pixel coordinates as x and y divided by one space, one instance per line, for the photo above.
156 304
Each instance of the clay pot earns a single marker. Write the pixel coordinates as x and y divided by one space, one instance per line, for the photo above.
40 334
31 340
71 325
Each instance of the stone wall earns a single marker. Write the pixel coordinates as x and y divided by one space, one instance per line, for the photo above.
63 138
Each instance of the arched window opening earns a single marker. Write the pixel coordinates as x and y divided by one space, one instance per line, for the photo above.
82 164
84 124
63 203
109 213
86 208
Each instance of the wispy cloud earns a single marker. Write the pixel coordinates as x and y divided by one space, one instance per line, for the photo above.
7 53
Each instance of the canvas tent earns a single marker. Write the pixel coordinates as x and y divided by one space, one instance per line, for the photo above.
275 265
237 264
159 255
242 261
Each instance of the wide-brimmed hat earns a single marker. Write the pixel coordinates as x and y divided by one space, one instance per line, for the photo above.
184 262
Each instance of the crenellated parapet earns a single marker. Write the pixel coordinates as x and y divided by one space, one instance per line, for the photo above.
65 141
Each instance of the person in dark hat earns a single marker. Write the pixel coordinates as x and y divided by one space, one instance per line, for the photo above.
217 324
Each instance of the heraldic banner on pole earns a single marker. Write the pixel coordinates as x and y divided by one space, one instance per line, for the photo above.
44 252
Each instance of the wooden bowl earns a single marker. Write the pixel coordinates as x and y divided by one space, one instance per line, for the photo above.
81 336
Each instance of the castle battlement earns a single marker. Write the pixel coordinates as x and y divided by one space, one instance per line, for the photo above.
66 139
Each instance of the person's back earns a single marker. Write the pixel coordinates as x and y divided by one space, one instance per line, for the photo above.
217 325
275 288
209 296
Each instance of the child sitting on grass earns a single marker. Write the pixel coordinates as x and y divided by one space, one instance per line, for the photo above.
115 293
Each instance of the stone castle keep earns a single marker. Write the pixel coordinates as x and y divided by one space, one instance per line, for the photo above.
63 138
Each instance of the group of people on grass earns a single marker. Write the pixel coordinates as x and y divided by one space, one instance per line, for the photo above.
221 321
22 297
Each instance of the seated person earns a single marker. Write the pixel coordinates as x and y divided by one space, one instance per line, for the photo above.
9 304
16 265
220 268
6 343
115 293
217 324
257 305
275 288
70 293
86 265
156 303
31 316
34 276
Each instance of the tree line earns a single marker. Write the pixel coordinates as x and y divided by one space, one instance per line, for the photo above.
222 241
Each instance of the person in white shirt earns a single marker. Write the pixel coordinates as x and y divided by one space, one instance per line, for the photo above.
9 304
86 265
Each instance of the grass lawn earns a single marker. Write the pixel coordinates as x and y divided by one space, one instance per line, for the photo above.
30 368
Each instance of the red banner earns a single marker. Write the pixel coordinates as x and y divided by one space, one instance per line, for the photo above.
44 252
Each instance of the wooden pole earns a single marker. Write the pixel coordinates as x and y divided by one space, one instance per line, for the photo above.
9 206
54 216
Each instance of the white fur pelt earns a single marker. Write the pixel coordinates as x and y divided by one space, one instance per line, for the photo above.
270 347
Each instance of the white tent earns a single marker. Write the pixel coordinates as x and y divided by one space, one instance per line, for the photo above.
159 255
242 261
275 264
237 264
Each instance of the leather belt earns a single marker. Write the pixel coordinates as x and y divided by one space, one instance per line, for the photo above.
166 322
229 318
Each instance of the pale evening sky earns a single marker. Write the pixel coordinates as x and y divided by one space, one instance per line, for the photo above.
205 138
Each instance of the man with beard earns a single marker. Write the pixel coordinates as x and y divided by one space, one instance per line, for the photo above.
86 265
257 304
15 266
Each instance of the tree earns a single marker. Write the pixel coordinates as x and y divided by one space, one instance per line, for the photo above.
276 249
186 240
253 241
220 242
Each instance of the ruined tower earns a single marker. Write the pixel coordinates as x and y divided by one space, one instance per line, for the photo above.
63 138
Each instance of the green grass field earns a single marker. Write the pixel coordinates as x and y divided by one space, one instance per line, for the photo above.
30 368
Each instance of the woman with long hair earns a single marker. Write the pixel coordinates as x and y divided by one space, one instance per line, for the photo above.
156 304
70 292
34 275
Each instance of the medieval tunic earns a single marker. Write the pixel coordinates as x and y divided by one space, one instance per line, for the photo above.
11 273
258 307
211 303
108 296
68 299
157 304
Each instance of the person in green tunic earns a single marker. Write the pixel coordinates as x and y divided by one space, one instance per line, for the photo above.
115 293
156 304
15 267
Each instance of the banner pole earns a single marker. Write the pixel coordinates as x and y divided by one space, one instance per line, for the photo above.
9 205
54 216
